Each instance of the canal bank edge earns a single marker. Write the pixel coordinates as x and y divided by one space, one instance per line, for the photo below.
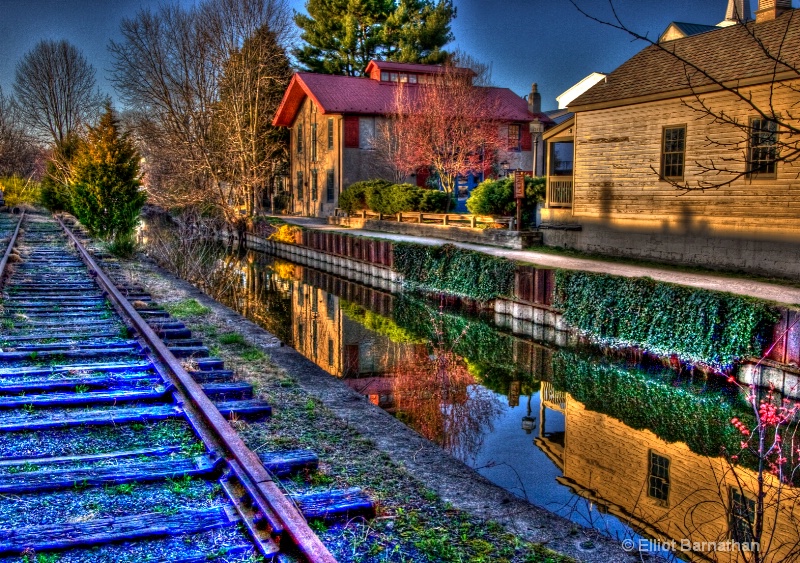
455 482
780 369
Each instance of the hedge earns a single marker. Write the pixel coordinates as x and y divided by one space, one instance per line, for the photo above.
698 325
382 196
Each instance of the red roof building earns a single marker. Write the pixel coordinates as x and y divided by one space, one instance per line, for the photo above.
333 120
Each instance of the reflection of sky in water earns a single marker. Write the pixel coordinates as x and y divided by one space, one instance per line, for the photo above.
509 458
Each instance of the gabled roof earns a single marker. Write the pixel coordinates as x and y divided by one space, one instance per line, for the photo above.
335 94
729 54
687 29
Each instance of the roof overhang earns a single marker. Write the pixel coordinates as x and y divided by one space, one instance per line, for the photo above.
292 101
689 91
559 129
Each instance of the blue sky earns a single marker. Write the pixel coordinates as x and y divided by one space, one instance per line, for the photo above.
525 41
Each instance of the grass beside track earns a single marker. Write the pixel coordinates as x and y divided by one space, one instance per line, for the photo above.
412 525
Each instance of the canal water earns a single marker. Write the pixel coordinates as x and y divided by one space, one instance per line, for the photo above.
627 446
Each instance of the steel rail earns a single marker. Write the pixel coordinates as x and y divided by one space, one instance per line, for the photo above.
278 511
11 242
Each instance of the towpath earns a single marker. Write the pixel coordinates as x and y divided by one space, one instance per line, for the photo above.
739 285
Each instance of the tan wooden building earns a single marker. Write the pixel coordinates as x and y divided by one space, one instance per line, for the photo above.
685 153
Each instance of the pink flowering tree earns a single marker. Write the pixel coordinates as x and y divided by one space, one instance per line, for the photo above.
447 124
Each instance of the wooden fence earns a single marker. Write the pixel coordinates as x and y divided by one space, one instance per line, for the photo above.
446 219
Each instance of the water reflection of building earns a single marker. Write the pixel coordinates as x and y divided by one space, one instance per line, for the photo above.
664 490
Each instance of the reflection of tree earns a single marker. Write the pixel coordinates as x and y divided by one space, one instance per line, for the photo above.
440 399
259 292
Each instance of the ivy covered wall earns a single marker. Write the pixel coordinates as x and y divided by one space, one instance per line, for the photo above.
698 325
454 270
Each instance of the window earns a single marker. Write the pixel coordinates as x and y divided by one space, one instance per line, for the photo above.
562 155
393 76
412 78
673 153
329 187
366 132
314 340
330 351
313 185
763 148
299 138
384 76
313 142
300 185
513 137
330 133
351 132
301 336
743 510
658 478
403 77
330 306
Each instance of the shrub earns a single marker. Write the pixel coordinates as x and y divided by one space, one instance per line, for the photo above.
354 197
393 198
286 233
433 201
496 197
18 191
384 197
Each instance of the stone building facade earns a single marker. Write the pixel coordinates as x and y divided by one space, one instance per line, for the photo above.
334 120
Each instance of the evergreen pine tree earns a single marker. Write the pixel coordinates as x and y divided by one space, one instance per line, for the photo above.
106 195
342 36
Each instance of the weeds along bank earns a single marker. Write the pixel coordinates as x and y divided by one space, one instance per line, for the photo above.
719 332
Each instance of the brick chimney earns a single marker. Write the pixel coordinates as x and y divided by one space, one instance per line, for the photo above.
770 9
535 99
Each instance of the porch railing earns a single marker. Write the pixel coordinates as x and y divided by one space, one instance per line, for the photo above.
560 192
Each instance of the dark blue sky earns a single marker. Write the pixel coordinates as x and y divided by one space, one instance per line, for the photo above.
525 41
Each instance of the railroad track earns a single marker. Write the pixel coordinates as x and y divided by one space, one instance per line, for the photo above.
110 448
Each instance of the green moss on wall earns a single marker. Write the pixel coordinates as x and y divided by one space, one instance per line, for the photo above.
696 324
454 270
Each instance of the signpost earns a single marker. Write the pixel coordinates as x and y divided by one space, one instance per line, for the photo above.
519 194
